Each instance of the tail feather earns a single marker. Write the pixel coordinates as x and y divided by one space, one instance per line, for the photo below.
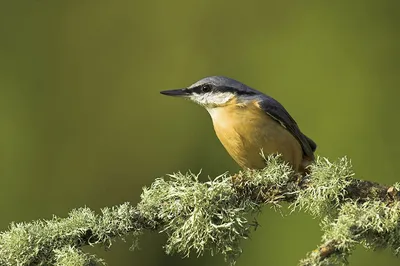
312 144
307 160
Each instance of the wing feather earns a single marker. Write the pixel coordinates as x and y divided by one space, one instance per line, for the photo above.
274 109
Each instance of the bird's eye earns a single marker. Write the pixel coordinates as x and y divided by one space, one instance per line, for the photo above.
206 88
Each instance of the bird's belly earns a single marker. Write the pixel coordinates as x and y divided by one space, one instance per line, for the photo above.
244 133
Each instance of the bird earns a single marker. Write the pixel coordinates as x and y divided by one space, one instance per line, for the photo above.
247 121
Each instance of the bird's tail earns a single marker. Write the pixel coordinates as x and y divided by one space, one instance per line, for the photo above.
312 144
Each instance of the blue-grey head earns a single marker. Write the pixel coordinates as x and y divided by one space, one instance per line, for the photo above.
215 91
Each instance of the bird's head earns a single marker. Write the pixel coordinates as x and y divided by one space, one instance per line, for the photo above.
215 91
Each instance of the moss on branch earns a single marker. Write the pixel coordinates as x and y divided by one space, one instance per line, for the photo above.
213 216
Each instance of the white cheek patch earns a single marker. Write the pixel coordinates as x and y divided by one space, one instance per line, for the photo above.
212 99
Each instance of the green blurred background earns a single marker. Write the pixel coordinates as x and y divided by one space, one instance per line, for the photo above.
83 123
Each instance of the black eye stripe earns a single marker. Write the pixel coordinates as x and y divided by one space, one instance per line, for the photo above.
197 90
204 88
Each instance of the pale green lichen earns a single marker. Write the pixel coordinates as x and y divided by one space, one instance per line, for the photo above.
37 242
197 216
213 216
70 256
397 186
373 224
326 188
277 172
116 222
207 216
26 243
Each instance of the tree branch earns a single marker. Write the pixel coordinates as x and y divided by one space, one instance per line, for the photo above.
211 216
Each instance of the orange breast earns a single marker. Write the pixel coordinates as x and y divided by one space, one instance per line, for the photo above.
245 130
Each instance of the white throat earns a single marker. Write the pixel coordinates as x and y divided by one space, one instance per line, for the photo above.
212 99
213 111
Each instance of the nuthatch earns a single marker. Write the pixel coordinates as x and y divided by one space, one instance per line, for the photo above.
247 121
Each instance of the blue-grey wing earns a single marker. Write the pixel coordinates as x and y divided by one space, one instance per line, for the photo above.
274 109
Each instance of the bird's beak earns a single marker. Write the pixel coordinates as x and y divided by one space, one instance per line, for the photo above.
178 93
